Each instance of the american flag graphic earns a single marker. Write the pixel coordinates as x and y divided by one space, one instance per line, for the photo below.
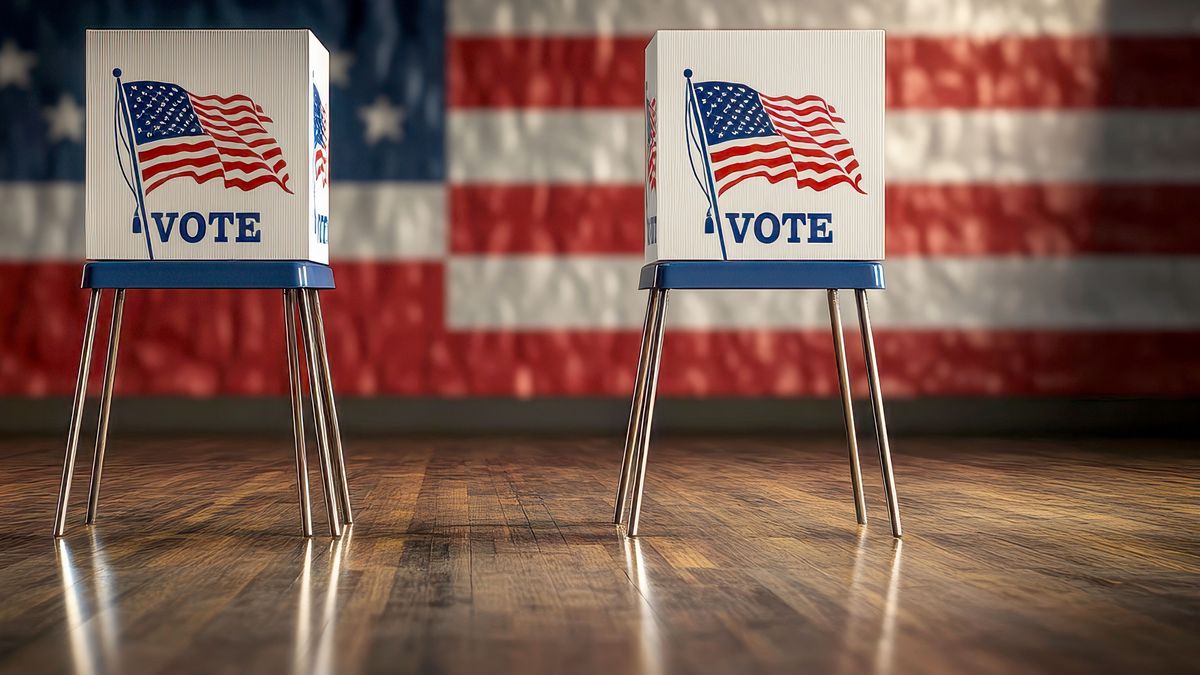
179 134
1043 180
320 138
652 144
778 138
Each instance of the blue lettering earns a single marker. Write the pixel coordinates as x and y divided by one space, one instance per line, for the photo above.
795 220
201 227
761 233
220 219
246 230
739 237
164 233
819 231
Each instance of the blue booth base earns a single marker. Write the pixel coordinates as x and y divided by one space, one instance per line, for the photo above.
197 274
763 274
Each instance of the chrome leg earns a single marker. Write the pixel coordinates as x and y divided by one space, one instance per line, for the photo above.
85 363
296 387
643 449
110 376
839 353
635 410
881 435
339 460
318 405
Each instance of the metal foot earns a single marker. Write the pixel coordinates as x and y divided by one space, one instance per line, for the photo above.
295 386
647 416
881 435
85 363
339 460
635 410
839 353
318 404
110 376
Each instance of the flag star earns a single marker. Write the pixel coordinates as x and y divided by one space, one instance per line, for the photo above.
383 120
65 120
339 67
15 65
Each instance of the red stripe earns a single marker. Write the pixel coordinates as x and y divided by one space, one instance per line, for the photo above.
229 119
224 100
545 218
770 176
922 72
384 320
172 148
202 108
737 151
198 177
249 184
724 170
198 162
959 220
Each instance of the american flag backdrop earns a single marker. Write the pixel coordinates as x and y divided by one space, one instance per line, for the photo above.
1043 168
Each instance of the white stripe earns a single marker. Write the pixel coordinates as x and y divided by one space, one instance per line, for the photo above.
598 292
971 17
941 146
369 221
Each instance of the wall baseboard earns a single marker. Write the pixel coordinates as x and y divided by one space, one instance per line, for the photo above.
1098 416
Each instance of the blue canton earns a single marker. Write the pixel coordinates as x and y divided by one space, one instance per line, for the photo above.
160 110
731 112
318 120
387 48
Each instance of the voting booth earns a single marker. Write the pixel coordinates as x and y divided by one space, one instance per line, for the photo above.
208 168
763 170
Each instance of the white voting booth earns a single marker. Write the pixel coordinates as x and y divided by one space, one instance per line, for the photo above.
766 145
208 167
218 140
763 170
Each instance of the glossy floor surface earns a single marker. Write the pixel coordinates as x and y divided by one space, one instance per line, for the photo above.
497 556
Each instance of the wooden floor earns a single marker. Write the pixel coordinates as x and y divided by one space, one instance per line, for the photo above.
496 556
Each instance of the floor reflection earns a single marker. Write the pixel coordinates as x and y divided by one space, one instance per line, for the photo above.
887 632
866 615
318 659
649 640
93 624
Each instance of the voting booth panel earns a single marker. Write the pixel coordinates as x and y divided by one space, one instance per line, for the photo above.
207 145
764 145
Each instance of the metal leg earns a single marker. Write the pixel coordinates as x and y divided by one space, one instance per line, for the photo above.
318 405
85 363
839 353
339 461
647 416
110 376
881 435
635 410
295 386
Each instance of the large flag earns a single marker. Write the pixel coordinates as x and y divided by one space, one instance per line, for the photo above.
1043 181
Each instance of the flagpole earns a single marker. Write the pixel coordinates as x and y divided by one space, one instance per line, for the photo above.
694 107
137 174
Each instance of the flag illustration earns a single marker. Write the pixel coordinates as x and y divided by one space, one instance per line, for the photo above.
320 138
178 134
652 144
779 138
